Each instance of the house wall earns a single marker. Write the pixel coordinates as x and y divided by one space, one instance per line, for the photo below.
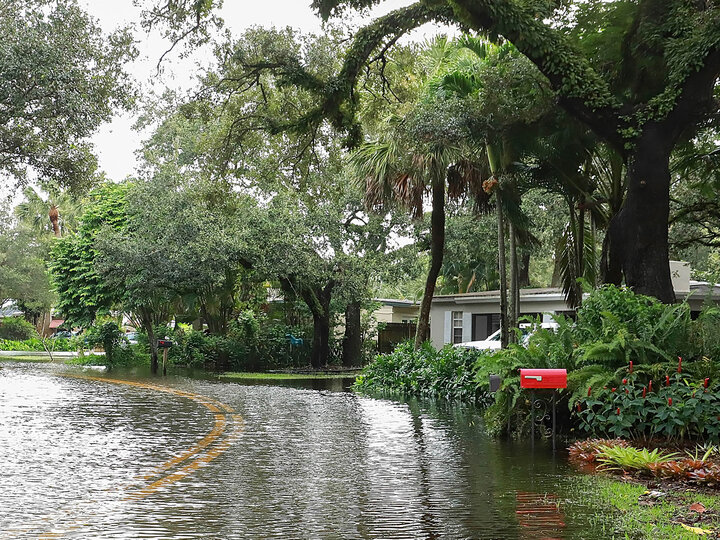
441 313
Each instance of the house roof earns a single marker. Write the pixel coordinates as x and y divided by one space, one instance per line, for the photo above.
56 323
396 302
698 290
539 294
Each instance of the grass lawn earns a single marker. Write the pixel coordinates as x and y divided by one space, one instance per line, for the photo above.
635 511
239 376
35 358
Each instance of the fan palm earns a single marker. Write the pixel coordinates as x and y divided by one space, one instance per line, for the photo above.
42 214
396 173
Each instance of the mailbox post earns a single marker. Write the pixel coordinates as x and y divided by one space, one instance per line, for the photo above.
165 345
543 379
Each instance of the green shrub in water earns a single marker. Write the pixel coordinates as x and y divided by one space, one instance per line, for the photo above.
447 373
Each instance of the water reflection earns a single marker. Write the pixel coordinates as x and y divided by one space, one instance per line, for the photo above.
308 464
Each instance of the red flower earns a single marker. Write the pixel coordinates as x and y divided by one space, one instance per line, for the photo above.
670 401
650 386
579 408
679 364
644 391
627 391
624 381
706 382
618 410
590 389
667 380
612 389
631 367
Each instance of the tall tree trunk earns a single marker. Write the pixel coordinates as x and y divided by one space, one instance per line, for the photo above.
150 331
318 300
514 311
437 247
524 271
502 269
352 341
639 232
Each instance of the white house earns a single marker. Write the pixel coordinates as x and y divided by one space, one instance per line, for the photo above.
455 318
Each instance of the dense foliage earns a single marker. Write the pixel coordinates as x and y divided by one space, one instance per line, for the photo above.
253 343
36 344
447 373
16 328
613 328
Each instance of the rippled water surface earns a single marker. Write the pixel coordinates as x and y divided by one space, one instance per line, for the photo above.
86 455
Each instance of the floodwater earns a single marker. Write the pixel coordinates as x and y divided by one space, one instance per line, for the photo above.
86 454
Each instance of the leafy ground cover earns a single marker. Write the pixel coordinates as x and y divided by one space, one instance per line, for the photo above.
698 465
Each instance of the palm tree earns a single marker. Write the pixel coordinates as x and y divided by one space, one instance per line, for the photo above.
42 214
397 173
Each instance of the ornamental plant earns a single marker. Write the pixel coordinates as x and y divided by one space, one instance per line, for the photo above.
681 408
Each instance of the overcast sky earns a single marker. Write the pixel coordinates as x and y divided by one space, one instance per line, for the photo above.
116 142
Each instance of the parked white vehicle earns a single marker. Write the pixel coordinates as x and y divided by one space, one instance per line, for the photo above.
492 342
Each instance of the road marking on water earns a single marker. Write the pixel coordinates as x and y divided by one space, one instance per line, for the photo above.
203 449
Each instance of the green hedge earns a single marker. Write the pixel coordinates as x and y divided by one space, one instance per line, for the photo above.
35 344
447 373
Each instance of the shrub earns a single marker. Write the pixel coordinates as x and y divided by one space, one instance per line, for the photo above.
447 373
674 407
16 329
36 344
253 343
629 458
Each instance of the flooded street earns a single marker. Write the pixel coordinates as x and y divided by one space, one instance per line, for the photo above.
90 455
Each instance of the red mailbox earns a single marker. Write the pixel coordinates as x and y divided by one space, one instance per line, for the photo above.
543 378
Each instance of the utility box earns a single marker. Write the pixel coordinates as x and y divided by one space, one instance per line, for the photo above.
164 343
543 378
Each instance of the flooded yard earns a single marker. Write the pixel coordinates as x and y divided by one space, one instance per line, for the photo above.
89 454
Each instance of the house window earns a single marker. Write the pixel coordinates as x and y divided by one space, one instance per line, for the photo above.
457 326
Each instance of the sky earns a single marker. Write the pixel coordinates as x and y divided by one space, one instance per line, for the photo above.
116 142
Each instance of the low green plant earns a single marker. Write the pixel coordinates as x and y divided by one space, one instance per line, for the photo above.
447 373
35 344
628 458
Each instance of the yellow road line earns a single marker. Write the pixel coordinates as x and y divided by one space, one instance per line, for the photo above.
216 407
181 473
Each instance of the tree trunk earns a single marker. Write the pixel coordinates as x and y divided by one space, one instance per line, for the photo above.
321 340
524 271
514 311
150 331
318 300
352 341
437 248
639 232
504 333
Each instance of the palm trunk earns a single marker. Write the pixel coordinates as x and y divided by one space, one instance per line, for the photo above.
504 331
514 311
437 247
